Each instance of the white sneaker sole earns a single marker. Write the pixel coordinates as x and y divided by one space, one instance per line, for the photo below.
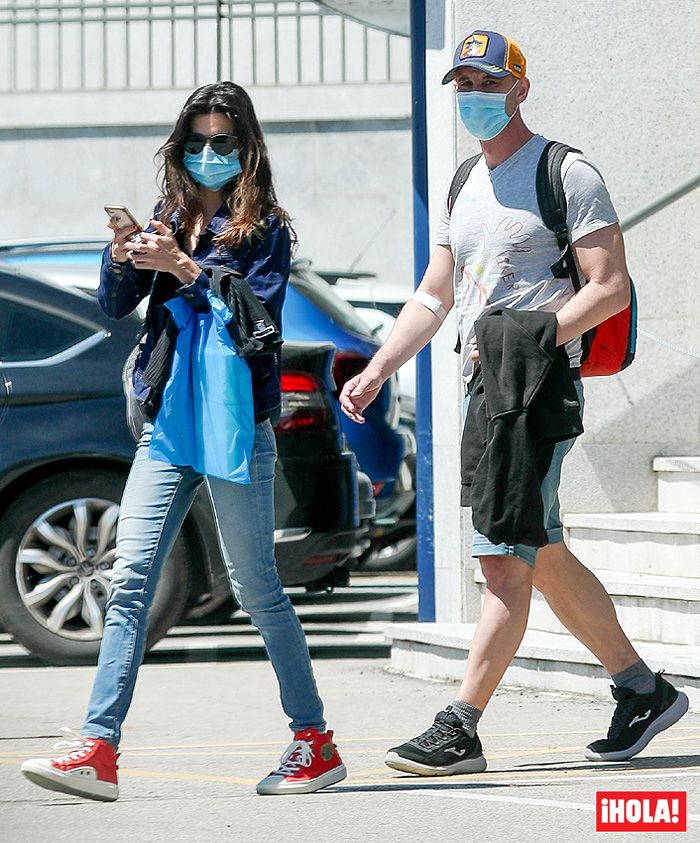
42 773
276 786
672 715
404 765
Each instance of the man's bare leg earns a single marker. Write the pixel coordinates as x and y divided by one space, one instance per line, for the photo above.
500 629
451 745
578 599
581 603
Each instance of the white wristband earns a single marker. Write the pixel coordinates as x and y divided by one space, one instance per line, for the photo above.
434 305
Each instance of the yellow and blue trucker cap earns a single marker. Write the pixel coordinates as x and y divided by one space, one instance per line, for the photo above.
490 52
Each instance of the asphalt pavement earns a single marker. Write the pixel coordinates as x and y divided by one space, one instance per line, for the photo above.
201 733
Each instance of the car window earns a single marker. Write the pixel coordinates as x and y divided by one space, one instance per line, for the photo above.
320 293
27 333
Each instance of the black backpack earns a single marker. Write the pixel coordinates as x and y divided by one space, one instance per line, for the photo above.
609 347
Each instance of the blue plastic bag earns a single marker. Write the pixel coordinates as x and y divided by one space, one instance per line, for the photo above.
206 418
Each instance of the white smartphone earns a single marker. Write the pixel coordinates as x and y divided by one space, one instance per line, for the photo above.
122 217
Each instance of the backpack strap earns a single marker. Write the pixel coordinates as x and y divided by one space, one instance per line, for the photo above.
459 180
552 203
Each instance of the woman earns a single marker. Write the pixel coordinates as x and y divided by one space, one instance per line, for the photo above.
218 208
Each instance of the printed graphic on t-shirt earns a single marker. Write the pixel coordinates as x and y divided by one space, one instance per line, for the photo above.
493 270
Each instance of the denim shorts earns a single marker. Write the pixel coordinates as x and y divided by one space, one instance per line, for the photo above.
549 489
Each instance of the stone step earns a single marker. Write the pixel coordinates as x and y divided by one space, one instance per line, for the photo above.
658 543
678 484
665 610
545 660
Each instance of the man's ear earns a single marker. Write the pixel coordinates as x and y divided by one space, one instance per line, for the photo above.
523 90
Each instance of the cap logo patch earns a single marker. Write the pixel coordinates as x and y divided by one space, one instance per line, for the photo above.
474 47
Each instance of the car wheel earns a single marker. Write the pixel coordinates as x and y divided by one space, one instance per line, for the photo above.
399 555
57 548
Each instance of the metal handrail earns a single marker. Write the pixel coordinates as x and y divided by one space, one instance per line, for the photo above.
98 45
659 204
640 216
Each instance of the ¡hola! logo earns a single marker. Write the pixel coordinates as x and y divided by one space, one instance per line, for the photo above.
640 810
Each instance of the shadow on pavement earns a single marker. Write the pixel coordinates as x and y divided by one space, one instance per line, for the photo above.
661 762
657 762
428 783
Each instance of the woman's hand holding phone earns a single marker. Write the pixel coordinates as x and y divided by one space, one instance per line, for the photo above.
121 242
159 251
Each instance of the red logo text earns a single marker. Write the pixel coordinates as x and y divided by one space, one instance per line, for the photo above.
640 810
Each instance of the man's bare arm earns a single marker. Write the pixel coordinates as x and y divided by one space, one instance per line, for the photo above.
415 327
601 256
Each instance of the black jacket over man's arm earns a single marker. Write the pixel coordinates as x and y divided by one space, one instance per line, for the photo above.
523 402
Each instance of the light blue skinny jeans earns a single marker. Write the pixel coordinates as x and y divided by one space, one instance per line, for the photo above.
156 500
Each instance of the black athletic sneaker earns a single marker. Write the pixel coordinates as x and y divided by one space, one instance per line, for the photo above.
637 719
445 749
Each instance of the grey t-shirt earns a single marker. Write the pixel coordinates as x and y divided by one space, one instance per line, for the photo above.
503 251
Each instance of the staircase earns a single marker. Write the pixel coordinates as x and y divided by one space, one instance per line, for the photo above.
649 562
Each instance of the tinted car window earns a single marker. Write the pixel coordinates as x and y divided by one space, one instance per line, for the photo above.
320 293
27 333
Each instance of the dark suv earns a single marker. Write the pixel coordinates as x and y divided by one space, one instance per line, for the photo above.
65 457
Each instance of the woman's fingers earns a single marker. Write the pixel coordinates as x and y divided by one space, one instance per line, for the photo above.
146 238
120 241
159 227
123 232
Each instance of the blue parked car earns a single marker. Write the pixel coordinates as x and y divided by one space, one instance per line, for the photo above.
313 311
67 455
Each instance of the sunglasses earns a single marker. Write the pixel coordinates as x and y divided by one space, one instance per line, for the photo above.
221 144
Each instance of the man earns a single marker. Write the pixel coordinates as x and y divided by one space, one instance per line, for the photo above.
494 249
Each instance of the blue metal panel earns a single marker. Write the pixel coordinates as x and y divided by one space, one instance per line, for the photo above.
424 422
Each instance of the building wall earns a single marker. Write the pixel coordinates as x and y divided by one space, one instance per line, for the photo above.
346 183
617 81
87 98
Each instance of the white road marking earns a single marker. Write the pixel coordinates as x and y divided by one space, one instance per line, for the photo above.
519 800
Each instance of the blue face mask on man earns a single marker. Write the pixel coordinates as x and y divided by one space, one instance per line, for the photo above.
212 170
484 114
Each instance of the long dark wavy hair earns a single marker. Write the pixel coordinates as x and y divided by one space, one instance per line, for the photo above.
250 198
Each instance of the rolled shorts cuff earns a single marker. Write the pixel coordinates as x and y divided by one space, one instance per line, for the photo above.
555 535
481 546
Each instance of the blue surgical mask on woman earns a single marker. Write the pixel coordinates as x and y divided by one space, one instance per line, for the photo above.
212 170
484 114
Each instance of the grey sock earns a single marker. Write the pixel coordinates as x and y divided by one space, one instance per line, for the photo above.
468 714
638 678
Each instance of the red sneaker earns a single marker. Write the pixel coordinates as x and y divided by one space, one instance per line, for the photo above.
89 770
309 763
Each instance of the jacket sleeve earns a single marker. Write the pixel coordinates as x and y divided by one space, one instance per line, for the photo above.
269 266
121 286
195 294
266 271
